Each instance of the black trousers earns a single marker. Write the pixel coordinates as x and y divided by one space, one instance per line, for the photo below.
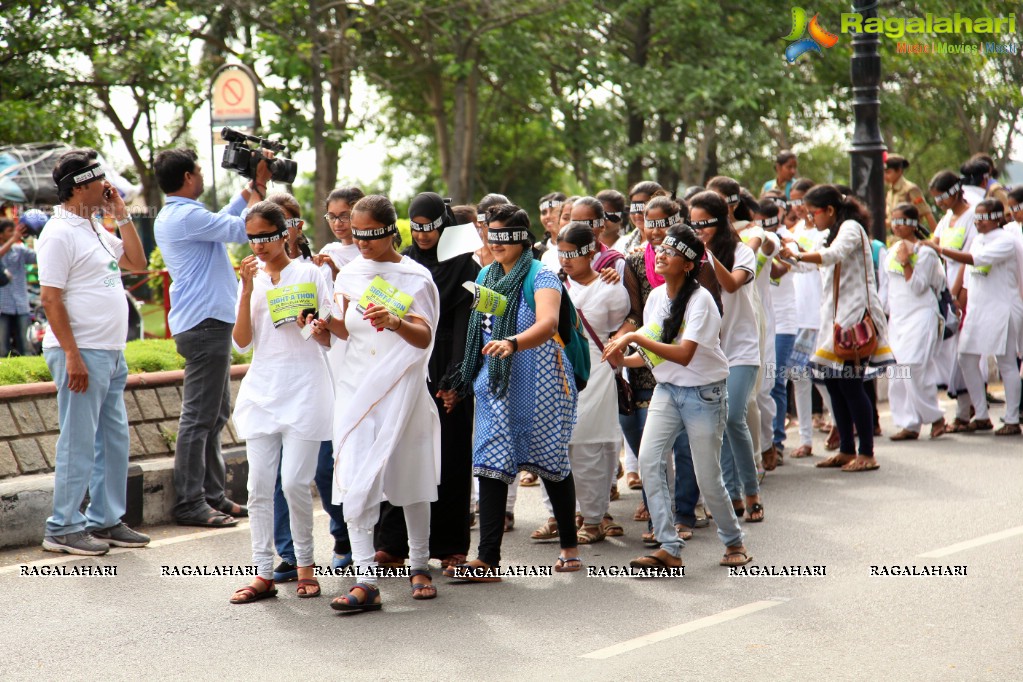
449 515
851 407
494 497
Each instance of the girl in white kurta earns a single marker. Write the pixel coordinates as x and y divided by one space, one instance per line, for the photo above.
915 277
955 231
387 431
843 219
993 324
596 439
806 281
734 266
283 409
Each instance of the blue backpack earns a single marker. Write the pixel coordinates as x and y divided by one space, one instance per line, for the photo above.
569 337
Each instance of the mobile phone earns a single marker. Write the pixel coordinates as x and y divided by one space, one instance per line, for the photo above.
108 193
307 331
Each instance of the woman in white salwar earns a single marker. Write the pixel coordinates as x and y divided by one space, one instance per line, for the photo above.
596 439
955 231
283 409
387 435
915 277
993 324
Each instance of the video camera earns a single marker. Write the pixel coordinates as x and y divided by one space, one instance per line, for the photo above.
243 158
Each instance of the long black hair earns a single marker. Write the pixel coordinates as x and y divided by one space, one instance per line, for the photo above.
725 239
677 312
847 207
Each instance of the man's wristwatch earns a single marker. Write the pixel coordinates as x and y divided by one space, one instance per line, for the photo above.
123 221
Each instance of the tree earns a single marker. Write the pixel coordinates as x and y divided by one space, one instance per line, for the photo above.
306 52
438 62
85 56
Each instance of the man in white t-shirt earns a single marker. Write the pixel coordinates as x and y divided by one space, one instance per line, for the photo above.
80 277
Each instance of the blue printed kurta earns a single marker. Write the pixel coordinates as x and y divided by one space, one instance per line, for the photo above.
528 429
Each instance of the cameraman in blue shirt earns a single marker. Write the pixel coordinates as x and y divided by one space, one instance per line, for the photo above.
203 299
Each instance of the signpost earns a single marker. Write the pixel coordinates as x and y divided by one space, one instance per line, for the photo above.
234 102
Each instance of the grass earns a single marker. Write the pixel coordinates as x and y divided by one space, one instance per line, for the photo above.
149 355
152 320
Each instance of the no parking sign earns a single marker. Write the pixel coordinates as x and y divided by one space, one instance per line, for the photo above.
234 99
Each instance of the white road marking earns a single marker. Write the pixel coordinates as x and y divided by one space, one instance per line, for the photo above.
970 544
685 628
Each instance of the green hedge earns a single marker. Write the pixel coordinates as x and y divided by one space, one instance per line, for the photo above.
149 355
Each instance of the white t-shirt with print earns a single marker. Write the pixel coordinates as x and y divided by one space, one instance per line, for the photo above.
702 324
740 337
81 260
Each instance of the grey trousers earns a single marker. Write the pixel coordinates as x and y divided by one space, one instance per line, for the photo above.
199 472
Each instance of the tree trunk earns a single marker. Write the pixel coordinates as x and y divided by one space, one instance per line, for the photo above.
667 175
634 117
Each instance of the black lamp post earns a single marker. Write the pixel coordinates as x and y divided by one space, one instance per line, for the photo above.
866 157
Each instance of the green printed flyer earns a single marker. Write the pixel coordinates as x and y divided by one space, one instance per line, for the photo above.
382 292
653 332
287 302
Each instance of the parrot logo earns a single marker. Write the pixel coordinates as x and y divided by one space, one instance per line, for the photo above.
818 36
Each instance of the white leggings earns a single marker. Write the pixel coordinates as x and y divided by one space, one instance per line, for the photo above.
360 532
631 460
594 466
975 378
297 459
802 385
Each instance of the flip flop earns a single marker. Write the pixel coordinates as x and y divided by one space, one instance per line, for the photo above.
835 461
214 519
229 508
427 588
873 466
568 564
651 561
753 509
746 559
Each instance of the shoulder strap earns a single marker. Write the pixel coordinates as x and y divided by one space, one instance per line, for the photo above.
529 286
838 274
594 336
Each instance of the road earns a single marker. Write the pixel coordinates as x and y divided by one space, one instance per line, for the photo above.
956 498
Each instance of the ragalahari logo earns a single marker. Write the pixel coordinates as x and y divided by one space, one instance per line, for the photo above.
818 36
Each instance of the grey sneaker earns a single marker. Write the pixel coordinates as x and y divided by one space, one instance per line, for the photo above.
121 536
81 542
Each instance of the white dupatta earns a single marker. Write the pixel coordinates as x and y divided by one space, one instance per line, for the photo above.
373 421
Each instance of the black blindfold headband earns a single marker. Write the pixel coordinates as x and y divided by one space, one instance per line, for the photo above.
375 233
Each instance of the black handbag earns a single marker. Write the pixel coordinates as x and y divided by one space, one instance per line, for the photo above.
626 404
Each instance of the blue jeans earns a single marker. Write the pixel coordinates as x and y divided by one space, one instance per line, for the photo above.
282 519
737 459
16 326
92 448
782 351
698 413
687 493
